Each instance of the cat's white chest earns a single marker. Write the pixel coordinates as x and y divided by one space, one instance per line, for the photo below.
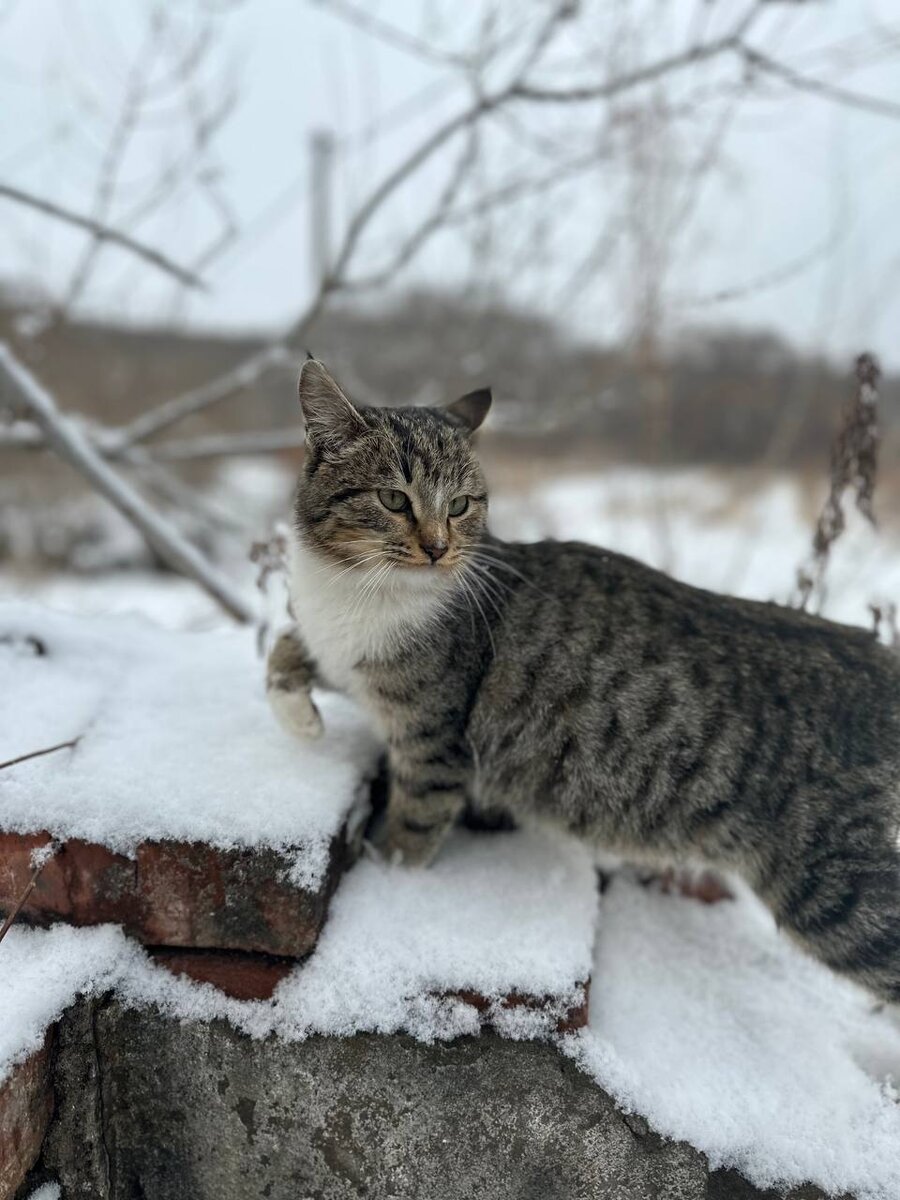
346 617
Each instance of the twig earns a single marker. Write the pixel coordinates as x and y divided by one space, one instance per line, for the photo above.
103 233
817 87
72 444
223 445
12 762
40 860
237 379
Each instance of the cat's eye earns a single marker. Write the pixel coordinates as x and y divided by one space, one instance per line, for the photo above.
393 500
458 506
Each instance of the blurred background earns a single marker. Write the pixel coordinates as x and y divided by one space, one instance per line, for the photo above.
661 230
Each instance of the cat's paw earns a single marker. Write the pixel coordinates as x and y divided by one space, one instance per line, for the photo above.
296 712
388 840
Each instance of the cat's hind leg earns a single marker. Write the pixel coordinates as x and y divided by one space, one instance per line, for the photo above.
290 675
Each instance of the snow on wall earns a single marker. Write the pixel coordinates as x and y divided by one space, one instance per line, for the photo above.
176 741
708 1022
49 1191
498 914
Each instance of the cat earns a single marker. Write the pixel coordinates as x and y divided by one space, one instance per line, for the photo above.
569 684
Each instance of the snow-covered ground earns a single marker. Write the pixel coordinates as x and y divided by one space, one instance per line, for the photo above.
704 1019
739 533
176 741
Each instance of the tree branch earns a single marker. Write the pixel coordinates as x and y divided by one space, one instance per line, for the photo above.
71 443
237 379
262 441
818 87
103 233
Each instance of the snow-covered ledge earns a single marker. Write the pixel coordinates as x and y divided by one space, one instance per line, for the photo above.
367 1062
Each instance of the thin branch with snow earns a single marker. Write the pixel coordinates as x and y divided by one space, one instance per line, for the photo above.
71 443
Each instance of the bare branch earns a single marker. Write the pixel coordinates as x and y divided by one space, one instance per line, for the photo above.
335 280
262 441
632 79
391 35
12 762
238 379
71 443
818 87
103 233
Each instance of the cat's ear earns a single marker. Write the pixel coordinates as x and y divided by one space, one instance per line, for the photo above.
470 410
328 414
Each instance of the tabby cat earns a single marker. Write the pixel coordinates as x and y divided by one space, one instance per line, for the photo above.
568 684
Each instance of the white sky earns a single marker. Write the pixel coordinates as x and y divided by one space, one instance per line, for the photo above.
799 174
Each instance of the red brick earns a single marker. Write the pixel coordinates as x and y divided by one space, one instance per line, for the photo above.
574 1018
26 1105
243 976
173 893
705 886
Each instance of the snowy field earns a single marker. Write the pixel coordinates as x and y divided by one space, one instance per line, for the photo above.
703 1019
736 533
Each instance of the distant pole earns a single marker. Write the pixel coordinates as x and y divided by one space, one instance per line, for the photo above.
321 169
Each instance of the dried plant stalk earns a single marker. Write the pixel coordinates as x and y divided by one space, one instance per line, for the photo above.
854 466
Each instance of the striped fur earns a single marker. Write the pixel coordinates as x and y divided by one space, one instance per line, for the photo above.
571 685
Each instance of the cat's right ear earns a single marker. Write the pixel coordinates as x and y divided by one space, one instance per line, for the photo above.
329 416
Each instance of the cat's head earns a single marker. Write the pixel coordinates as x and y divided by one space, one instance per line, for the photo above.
393 487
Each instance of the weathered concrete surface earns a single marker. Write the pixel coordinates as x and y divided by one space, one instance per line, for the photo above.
150 1109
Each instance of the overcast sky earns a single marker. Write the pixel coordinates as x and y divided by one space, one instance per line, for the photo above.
800 179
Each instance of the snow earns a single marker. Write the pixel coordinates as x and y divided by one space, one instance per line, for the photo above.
176 741
732 532
494 914
710 1024
48 1191
705 1020
43 971
498 914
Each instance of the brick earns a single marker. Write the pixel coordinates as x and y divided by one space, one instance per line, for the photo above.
574 1018
705 886
173 893
26 1105
242 976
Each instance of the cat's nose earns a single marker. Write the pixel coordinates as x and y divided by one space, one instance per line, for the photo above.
434 550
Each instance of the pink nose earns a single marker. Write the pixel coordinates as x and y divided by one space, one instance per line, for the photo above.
434 550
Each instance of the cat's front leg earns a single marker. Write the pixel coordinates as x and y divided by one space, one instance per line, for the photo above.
290 674
426 796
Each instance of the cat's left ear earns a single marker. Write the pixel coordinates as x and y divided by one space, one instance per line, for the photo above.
470 410
329 415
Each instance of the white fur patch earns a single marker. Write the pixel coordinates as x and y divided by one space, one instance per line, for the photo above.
347 615
296 713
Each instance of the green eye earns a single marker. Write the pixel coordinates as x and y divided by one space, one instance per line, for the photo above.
393 500
458 506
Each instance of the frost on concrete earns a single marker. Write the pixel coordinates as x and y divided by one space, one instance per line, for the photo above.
708 1022
175 741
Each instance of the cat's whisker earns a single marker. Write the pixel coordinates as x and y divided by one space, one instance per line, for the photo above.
471 592
362 562
479 582
500 585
